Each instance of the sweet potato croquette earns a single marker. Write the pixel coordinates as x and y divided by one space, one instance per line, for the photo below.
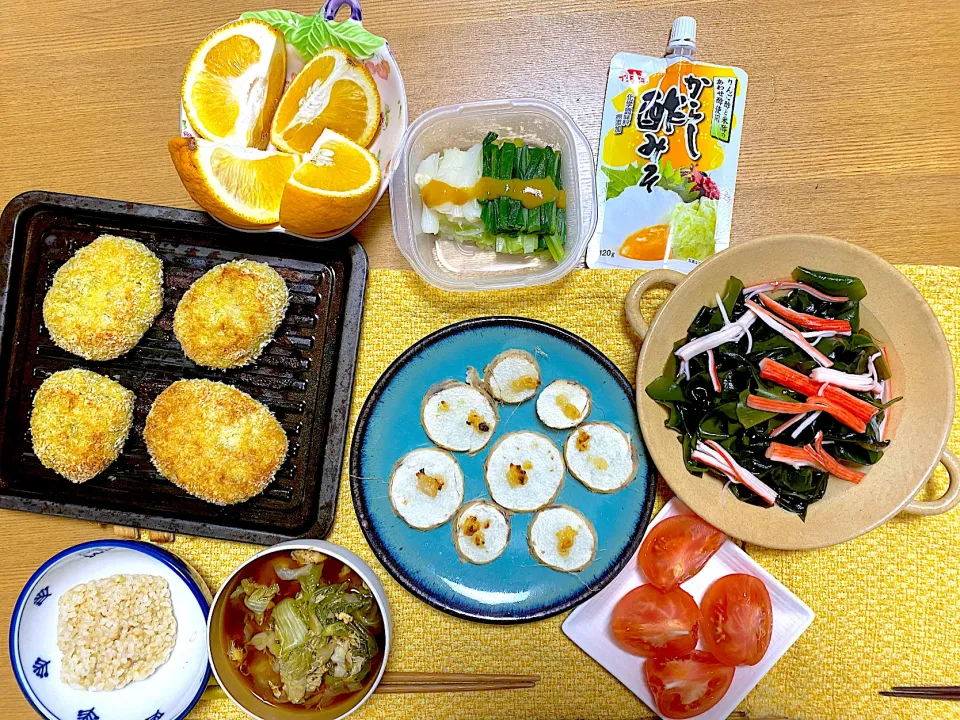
214 441
79 423
104 298
230 313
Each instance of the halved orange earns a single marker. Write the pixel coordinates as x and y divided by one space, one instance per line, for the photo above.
334 186
233 83
240 186
333 91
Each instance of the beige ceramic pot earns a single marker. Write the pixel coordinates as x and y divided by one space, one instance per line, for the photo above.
919 425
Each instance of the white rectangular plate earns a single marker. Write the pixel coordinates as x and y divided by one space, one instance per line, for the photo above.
589 625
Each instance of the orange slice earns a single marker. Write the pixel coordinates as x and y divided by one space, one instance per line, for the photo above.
334 186
239 186
333 91
233 83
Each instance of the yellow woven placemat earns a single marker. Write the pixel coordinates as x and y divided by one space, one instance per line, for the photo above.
886 605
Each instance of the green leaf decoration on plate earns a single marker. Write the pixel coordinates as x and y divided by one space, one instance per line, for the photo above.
311 34
620 180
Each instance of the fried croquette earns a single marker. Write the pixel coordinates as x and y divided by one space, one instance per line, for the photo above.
79 423
230 313
214 441
104 298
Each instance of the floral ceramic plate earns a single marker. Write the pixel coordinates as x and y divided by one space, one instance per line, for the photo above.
514 587
386 74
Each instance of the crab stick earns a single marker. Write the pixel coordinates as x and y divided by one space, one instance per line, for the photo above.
796 457
872 370
813 403
805 321
743 475
884 397
792 285
792 380
715 456
728 333
788 377
834 466
838 412
712 366
722 308
781 407
789 332
859 383
806 423
783 427
813 456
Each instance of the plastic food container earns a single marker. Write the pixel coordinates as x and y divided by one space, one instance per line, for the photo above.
451 266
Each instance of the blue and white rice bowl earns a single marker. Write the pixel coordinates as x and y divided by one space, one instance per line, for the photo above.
168 694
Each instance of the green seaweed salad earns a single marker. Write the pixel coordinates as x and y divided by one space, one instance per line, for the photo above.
712 397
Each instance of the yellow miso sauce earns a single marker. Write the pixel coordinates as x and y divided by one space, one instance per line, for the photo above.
650 243
531 193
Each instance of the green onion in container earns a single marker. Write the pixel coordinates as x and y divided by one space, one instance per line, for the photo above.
508 226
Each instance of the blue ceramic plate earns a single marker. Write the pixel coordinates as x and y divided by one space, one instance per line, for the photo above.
514 587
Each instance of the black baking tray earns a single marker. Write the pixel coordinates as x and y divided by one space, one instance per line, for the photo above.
305 376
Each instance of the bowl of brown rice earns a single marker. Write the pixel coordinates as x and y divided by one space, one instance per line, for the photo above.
111 628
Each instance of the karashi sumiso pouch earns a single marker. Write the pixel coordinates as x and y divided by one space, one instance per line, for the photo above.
667 167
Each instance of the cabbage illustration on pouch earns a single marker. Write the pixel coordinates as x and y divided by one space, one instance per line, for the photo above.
693 221
693 227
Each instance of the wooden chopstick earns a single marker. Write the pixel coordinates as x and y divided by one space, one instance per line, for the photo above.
416 682
931 692
396 678
451 687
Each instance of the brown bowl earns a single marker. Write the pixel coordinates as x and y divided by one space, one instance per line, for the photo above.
919 425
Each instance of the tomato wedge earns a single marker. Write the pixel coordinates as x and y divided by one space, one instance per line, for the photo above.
686 686
648 622
676 549
737 619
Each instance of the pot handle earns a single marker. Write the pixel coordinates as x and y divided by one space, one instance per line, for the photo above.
950 498
332 7
632 303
